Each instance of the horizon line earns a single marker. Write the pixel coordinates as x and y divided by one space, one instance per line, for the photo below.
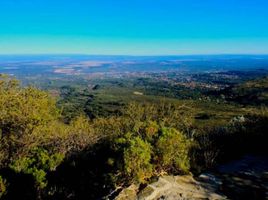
133 55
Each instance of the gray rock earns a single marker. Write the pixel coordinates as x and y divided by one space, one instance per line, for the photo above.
180 188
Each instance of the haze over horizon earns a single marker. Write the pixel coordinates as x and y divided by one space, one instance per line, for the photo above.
159 27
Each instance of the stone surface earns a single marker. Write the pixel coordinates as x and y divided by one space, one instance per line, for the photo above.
245 178
129 193
179 188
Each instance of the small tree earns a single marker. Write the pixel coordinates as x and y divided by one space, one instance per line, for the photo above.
172 150
22 111
137 157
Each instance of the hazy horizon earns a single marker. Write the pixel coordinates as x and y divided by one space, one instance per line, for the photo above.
133 55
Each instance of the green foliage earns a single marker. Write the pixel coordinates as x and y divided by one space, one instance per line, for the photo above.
137 160
150 130
33 139
22 109
149 150
2 186
73 101
165 114
81 134
22 112
141 141
38 163
173 151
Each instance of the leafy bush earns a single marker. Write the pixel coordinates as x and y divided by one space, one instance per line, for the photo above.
137 159
23 109
178 116
172 150
38 163
150 150
22 112
2 186
33 139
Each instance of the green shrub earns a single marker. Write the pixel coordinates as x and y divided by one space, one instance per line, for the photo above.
172 150
2 186
38 163
149 151
137 157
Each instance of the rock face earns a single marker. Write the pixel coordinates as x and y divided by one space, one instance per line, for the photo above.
177 188
129 193
245 178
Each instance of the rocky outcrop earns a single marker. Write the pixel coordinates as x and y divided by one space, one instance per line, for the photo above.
175 188
245 178
129 193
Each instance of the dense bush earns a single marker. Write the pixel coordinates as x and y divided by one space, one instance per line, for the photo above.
173 151
2 186
137 160
149 150
37 164
33 139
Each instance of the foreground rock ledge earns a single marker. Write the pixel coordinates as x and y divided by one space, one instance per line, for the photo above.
173 188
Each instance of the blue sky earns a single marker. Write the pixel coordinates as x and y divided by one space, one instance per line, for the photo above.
136 27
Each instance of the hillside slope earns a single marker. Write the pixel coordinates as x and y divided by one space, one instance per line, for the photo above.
253 92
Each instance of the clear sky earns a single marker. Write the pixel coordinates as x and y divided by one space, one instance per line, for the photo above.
137 27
